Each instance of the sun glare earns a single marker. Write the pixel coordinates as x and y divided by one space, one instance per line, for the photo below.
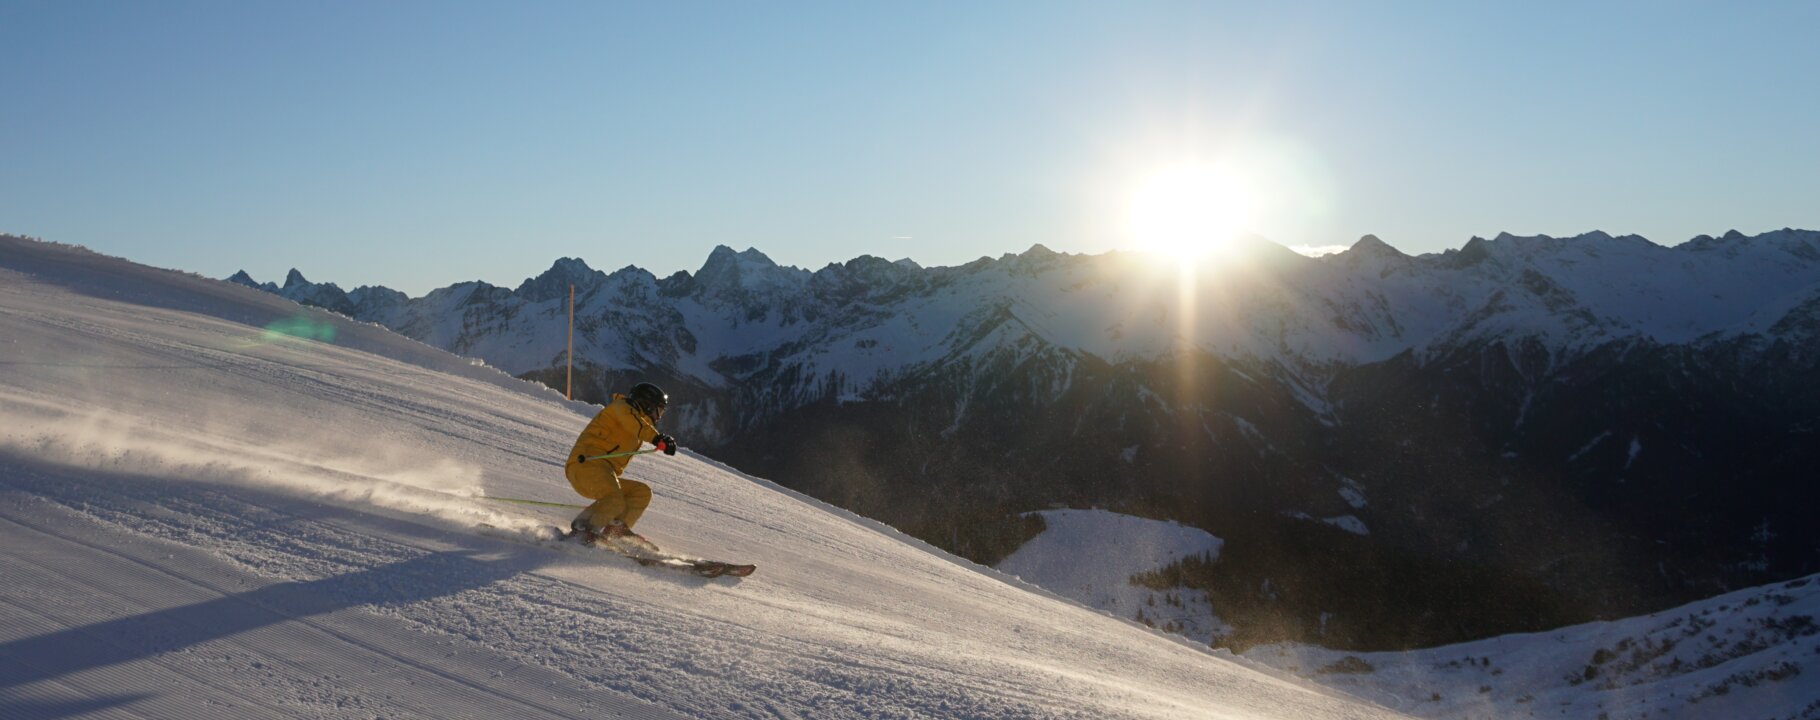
1188 210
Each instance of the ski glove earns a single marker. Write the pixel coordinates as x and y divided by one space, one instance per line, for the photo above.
665 443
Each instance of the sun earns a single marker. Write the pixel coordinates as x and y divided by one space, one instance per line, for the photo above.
1188 210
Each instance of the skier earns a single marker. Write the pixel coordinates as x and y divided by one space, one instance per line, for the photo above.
599 459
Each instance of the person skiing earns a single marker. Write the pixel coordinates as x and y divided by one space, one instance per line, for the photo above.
599 459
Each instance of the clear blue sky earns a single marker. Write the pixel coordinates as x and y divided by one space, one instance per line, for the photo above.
416 144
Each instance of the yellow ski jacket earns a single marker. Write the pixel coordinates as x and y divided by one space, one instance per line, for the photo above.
616 428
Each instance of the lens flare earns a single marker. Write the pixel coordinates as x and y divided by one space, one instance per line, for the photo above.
300 327
1189 210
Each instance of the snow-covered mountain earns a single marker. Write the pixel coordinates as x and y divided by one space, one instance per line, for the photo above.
217 504
1534 431
1092 555
1748 654
1264 303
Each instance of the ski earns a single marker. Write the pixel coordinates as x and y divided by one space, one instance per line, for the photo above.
646 553
642 551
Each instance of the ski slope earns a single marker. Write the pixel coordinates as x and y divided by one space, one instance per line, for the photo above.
215 503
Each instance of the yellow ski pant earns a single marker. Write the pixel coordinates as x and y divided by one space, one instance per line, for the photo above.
615 498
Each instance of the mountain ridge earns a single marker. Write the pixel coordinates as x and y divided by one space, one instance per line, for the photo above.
761 288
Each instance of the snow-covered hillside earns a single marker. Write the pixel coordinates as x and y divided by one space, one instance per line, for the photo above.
1753 653
215 504
1091 556
1748 654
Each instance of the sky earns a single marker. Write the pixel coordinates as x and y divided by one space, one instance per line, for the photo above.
418 144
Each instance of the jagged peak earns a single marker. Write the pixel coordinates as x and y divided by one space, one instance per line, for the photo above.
1370 244
1476 250
376 294
727 266
243 278
570 265
723 255
1600 236
863 265
1591 236
745 271
863 275
752 255
567 267
294 279
466 286
865 261
676 284
721 252
1038 255
1546 239
555 282
632 272
1505 244
1790 240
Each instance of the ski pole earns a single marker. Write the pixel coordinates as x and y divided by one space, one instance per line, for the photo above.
539 503
628 453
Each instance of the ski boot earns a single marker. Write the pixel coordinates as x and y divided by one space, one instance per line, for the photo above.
617 530
622 537
580 532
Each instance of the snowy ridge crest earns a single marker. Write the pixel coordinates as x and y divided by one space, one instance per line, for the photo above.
1362 305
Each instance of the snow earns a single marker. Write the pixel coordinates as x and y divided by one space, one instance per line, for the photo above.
1590 444
204 519
1090 556
1349 523
1749 654
1353 493
1245 426
869 323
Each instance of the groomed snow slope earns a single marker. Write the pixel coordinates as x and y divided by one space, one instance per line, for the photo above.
217 504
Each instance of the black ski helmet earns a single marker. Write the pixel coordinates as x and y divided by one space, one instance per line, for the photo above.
648 399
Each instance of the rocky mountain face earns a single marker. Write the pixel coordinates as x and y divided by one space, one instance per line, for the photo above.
1398 450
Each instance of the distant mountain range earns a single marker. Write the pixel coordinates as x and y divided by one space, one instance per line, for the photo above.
1397 450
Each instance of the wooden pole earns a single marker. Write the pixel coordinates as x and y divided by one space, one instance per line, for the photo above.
570 392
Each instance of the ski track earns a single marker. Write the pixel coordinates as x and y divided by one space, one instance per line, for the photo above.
179 621
604 641
199 519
